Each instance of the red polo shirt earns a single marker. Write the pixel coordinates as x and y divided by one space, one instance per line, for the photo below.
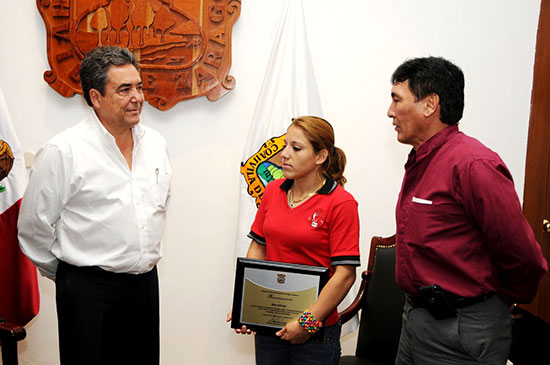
322 231
460 225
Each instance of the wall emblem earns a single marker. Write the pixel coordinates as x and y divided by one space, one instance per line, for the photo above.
263 167
183 46
6 162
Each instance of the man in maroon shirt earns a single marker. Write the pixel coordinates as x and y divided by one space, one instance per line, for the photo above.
465 252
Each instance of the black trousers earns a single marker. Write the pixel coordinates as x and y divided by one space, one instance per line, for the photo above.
107 318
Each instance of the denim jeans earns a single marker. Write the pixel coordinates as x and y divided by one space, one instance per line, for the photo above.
321 349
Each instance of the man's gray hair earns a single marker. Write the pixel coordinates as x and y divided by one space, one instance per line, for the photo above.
96 64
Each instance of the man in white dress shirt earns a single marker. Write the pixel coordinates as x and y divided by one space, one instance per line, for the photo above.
93 215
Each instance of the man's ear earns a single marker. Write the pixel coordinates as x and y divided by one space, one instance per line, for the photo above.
95 97
431 103
321 157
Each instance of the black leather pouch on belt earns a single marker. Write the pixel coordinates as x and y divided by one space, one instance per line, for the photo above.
437 302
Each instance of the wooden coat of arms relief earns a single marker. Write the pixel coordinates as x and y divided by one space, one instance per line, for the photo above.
183 46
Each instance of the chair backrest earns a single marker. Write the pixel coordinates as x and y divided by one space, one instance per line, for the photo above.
382 309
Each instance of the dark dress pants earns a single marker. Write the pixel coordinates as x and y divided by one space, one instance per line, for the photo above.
107 318
479 334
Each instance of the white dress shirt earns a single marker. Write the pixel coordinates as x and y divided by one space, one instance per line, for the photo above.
85 206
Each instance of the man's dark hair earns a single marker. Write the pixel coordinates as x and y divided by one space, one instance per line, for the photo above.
96 65
435 75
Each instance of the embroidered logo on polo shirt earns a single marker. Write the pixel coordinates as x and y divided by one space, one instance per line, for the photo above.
317 219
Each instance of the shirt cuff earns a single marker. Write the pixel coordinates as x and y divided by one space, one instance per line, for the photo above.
257 238
345 260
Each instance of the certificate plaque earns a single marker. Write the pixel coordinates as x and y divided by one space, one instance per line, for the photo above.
269 294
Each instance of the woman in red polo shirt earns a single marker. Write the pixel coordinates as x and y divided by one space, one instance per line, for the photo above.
308 218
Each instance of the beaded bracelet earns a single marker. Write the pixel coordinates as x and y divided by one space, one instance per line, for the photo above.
310 324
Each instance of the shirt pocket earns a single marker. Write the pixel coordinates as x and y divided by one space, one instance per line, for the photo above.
429 225
161 188
421 217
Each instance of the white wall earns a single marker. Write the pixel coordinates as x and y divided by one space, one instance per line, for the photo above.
356 45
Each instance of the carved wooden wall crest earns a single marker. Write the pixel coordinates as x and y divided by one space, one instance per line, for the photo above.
183 46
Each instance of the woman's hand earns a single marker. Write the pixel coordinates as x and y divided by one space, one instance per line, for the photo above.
243 330
294 333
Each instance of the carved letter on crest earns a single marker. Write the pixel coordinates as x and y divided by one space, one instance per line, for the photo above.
183 46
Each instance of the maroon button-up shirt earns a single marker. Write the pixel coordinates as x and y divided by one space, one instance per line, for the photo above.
460 225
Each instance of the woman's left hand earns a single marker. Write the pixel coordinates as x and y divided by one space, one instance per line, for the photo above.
294 333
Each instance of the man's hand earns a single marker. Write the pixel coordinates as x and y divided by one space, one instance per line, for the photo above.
514 315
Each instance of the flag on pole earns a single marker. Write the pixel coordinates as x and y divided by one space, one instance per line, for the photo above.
19 297
289 90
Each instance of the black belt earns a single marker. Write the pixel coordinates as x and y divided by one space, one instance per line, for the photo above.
458 302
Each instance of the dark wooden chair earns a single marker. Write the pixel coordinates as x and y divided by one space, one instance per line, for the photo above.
10 334
381 303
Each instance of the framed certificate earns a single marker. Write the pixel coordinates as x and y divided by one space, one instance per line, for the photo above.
269 294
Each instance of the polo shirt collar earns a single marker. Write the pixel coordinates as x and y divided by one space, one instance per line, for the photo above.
329 186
